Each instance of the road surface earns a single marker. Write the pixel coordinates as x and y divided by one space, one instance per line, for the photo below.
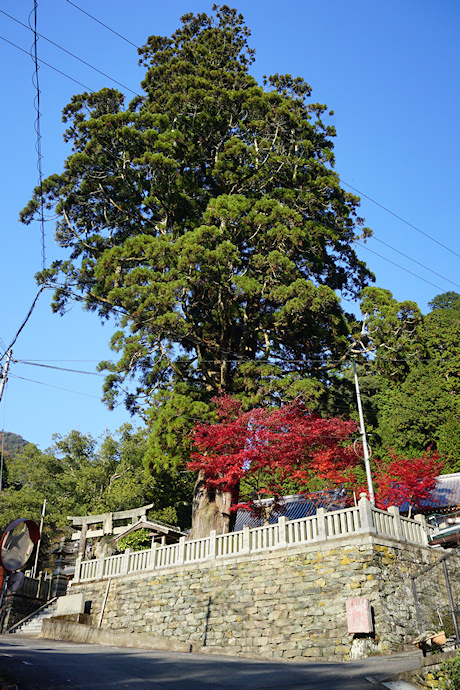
40 664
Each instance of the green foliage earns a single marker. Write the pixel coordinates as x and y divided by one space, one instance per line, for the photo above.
137 541
167 515
206 217
80 476
391 330
451 670
12 443
421 409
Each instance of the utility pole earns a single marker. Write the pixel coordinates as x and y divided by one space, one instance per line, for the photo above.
367 465
2 386
5 373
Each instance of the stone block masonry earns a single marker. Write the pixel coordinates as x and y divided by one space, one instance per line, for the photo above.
276 604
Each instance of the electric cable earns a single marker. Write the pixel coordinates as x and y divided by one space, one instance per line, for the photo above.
406 256
29 314
414 227
361 244
37 126
48 65
127 88
49 366
102 24
49 385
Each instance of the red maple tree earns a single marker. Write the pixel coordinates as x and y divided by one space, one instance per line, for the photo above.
408 482
271 452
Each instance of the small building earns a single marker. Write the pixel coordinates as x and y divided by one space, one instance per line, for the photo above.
160 532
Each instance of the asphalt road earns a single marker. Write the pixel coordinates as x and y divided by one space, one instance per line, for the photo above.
39 664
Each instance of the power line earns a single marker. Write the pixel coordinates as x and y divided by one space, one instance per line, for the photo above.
55 360
29 314
102 24
38 145
406 256
48 65
49 366
438 287
414 227
67 390
70 53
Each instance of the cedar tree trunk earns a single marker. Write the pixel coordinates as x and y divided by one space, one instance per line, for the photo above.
211 510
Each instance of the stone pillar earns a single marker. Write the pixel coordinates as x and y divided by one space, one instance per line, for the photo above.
100 568
107 523
422 520
365 514
125 562
246 539
58 585
321 521
76 577
82 542
212 544
397 526
153 556
181 554
282 543
40 588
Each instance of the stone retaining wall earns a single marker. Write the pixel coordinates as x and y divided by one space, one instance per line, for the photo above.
288 603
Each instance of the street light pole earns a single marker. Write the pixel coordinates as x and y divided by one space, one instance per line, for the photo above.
367 464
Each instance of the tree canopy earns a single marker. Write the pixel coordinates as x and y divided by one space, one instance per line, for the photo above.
207 218
417 374
268 452
80 475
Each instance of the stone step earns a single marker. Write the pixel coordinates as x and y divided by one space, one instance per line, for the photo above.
33 625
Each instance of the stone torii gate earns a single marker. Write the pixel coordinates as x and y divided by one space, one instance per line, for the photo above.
108 528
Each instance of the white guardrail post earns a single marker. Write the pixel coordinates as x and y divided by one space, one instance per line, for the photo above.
181 554
321 518
424 527
125 562
397 525
212 544
282 542
153 556
100 568
246 539
365 514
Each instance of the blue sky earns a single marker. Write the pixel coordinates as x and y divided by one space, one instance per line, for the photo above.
389 70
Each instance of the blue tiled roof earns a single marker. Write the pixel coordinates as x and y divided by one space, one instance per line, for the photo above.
293 507
446 496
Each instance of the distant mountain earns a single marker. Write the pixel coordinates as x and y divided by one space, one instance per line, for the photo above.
13 443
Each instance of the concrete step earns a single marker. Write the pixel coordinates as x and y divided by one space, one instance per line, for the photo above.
33 625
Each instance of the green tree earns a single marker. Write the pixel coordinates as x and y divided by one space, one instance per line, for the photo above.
206 217
418 408
80 476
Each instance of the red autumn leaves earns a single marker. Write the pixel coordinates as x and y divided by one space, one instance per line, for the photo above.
275 451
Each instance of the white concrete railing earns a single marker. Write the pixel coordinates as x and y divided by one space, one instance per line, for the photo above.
323 526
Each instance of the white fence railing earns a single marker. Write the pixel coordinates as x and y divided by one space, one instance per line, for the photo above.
360 519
